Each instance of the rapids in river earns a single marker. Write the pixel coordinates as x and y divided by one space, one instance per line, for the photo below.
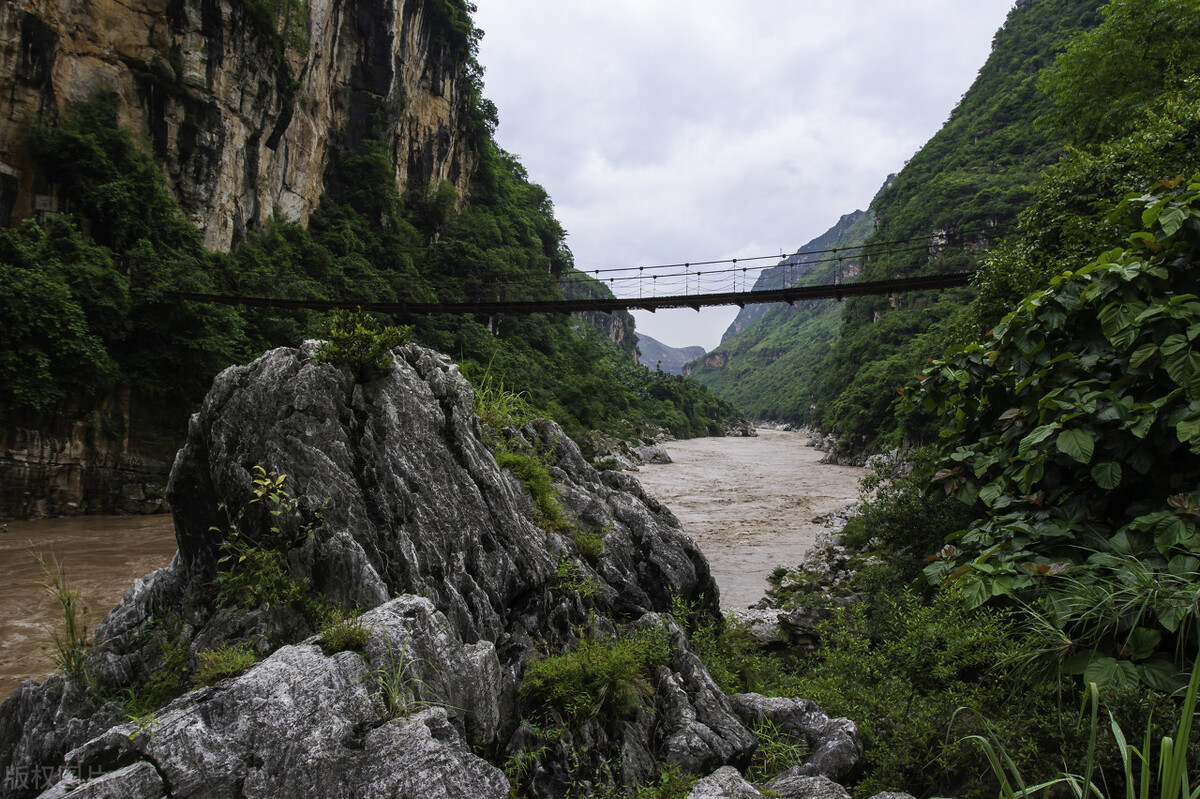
750 503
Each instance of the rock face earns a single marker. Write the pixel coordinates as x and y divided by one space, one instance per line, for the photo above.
400 508
73 465
246 124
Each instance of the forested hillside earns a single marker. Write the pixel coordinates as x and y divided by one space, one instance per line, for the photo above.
1044 546
84 311
955 198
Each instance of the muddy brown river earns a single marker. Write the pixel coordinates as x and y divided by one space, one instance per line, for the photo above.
748 502
101 554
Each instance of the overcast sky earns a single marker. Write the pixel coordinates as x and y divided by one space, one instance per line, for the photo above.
669 130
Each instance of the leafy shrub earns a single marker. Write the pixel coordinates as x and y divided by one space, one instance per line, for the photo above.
1072 434
224 661
253 567
902 672
358 340
604 679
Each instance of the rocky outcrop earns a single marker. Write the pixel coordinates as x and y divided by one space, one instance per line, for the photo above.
247 118
397 506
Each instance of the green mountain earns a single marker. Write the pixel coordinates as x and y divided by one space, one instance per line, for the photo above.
658 356
767 358
952 201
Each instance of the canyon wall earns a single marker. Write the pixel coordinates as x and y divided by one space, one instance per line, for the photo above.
247 121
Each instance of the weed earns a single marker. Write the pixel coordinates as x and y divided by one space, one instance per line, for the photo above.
569 577
169 679
70 642
394 684
671 783
143 724
224 661
590 543
343 631
533 473
777 751
498 408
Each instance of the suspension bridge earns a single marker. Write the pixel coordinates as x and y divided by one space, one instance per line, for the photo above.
650 288
741 299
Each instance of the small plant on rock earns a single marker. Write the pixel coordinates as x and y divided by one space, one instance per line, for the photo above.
343 631
70 642
224 661
360 341
777 751
598 678
252 568
395 683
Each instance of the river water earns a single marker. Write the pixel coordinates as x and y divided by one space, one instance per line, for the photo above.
750 503
101 556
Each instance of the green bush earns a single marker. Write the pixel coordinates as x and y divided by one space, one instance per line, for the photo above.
902 671
1082 491
358 340
603 679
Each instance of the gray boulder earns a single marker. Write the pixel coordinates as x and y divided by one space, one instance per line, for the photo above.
791 785
724 783
399 721
834 746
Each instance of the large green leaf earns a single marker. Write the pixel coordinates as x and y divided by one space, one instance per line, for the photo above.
1107 475
1106 671
1076 444
1039 434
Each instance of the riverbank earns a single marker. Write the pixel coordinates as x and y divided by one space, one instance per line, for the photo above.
750 503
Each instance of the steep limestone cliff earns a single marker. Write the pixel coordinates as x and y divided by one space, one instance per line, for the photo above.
247 126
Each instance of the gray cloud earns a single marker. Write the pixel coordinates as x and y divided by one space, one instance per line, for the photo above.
669 131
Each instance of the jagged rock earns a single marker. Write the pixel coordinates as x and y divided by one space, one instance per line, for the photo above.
739 427
763 623
396 494
724 783
833 744
703 726
137 781
792 785
893 795
323 726
652 453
